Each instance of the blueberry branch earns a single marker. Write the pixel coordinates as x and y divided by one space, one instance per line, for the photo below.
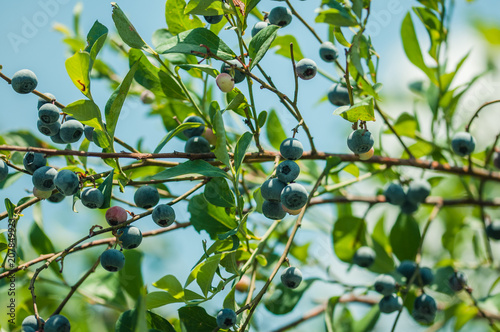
476 114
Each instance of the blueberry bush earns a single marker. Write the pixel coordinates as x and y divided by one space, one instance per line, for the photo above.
409 200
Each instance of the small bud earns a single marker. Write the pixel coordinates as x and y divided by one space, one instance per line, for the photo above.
225 82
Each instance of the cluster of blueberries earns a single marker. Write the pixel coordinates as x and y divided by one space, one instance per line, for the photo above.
409 201
56 323
281 194
195 143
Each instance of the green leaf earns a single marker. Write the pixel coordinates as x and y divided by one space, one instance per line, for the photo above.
10 208
146 73
412 47
204 7
188 42
241 149
158 322
40 241
348 236
217 192
115 102
133 320
330 309
95 40
170 284
130 275
127 31
220 145
87 112
238 103
159 299
204 68
405 125
337 17
106 188
405 237
204 273
191 167
196 319
170 86
420 149
281 44
363 111
283 300
78 68
177 20
210 218
260 43
274 130
367 323
230 301
180 128
261 119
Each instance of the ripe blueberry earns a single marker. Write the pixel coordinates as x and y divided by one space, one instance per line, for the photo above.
56 197
390 303
338 95
48 113
425 275
163 215
291 277
32 322
116 215
493 230
408 207
291 149
225 82
364 257
328 52
42 101
92 198
463 144
146 197
198 131
213 19
67 182
407 269
271 189
57 323
88 131
48 129
226 318
306 69
57 139
33 160
424 309
458 281
259 26
43 178
4 170
281 16
24 81
287 171
71 131
394 194
112 260
418 191
197 144
360 141
294 196
385 284
231 70
147 97
273 210
130 236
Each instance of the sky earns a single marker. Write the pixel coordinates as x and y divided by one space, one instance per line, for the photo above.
29 40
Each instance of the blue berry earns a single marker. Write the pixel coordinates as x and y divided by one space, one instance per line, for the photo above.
306 69
112 260
146 197
291 149
27 329
226 318
259 26
390 303
407 269
364 257
147 97
271 189
281 16
71 131
294 196
385 284
463 144
273 210
42 101
291 277
235 73
198 131
43 178
418 191
457 281
48 129
197 144
56 197
67 182
493 230
426 275
4 170
213 19
57 323
32 322
24 81
338 95
394 194
88 131
92 198
48 113
163 215
287 171
360 141
409 207
424 309
57 139
130 236
33 161
328 52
